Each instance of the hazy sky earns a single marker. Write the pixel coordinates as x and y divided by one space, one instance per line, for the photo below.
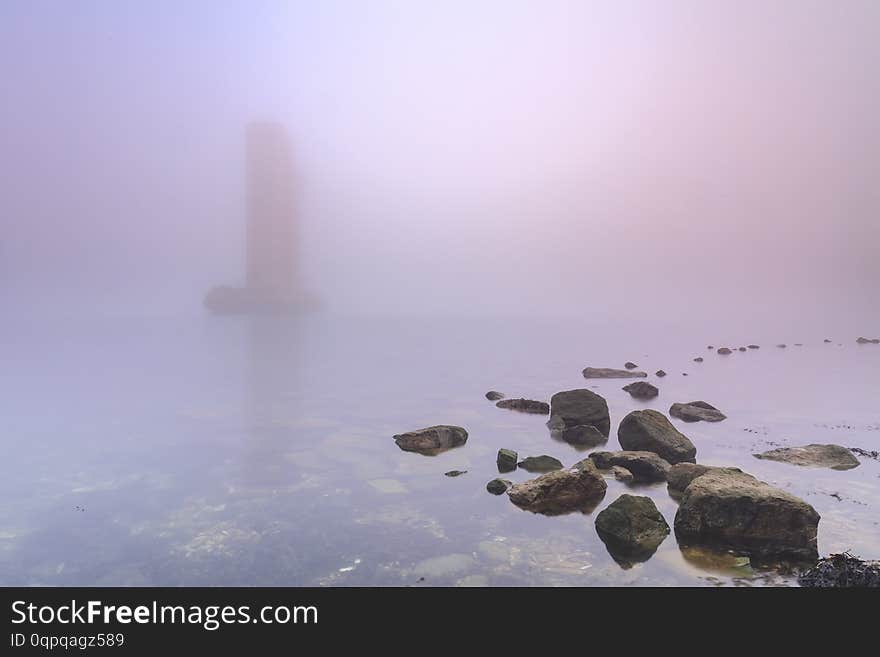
464 157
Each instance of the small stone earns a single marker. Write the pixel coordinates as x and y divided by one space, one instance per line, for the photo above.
541 463
641 390
630 365
455 473
698 359
525 406
506 460
754 346
498 486
494 395
724 351
660 373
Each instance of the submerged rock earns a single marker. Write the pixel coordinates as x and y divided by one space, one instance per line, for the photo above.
660 373
610 373
584 435
742 349
642 390
736 511
645 467
696 411
754 346
455 473
525 406
815 456
561 491
494 395
724 351
541 463
498 486
651 431
506 460
432 440
781 345
630 365
580 407
698 359
868 341
826 341
631 528
842 571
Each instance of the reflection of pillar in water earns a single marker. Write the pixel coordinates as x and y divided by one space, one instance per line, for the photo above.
271 399
270 211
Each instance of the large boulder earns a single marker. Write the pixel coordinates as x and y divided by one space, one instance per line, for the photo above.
432 440
681 474
611 373
561 491
651 431
572 408
733 510
813 456
632 529
645 467
641 390
525 406
696 411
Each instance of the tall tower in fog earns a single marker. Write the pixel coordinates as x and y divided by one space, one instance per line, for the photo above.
271 276
270 257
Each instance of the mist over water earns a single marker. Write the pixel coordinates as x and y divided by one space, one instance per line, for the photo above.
488 194
491 157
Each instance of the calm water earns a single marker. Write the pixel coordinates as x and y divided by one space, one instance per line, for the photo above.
236 451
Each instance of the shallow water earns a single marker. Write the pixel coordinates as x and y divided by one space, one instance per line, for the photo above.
258 451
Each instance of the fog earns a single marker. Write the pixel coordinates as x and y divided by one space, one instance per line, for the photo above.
463 158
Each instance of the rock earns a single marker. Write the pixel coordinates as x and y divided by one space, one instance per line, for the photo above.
506 460
561 491
660 373
541 463
724 351
681 474
498 486
646 467
695 411
684 373
736 511
842 571
798 344
630 365
742 349
815 456
609 373
781 345
642 390
622 474
651 431
583 434
494 395
754 346
710 347
632 529
581 407
455 473
868 341
432 440
698 359
525 406
826 341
